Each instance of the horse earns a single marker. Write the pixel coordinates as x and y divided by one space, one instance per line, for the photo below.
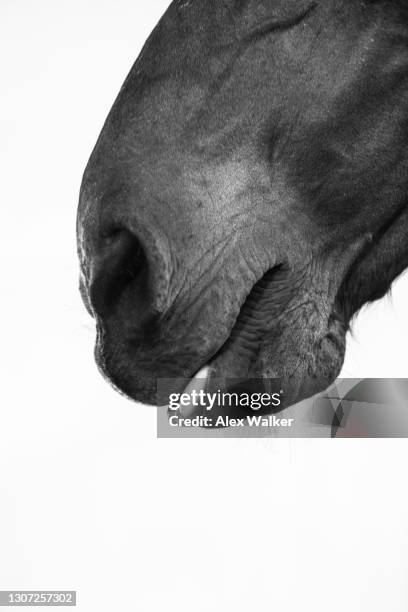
248 193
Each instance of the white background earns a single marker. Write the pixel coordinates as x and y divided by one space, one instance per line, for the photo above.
89 498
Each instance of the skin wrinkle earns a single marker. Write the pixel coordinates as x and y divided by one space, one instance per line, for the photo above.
275 25
193 301
215 256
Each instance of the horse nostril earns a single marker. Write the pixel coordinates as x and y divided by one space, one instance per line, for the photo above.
120 263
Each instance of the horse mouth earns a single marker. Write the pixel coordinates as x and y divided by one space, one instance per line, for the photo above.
239 365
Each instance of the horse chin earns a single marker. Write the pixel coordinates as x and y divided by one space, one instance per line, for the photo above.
311 374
